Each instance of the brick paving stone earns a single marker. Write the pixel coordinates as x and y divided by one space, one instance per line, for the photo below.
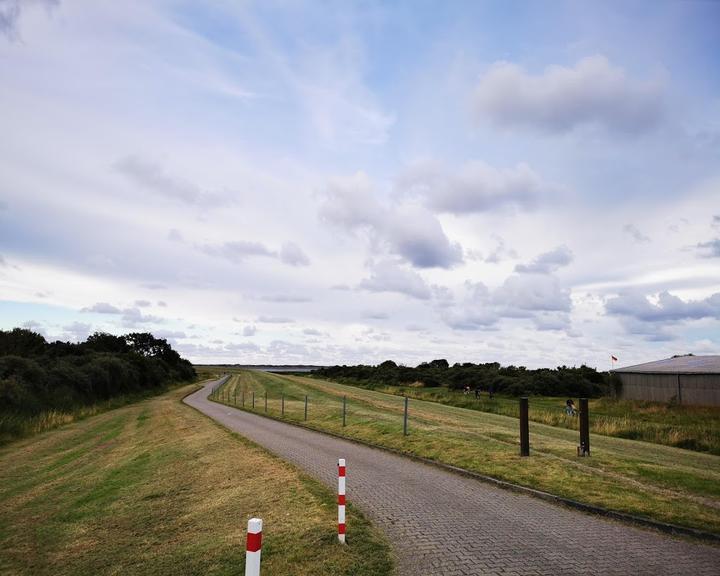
441 523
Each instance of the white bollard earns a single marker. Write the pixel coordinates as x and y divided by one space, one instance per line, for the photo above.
341 500
253 548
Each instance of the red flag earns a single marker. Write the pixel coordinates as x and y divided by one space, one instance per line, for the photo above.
614 359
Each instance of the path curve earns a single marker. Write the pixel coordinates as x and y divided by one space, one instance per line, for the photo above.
440 523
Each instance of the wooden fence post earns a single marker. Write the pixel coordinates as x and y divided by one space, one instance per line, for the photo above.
524 428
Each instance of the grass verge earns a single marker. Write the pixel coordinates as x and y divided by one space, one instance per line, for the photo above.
690 427
16 426
157 488
657 482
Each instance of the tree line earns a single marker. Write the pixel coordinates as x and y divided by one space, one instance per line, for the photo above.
491 377
36 375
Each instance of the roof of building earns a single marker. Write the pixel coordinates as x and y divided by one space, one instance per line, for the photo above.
679 364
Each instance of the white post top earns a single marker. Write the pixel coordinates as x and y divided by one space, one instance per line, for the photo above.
254 525
341 462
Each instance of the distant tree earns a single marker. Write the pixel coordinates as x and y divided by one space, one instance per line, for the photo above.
21 342
143 343
36 376
104 342
511 380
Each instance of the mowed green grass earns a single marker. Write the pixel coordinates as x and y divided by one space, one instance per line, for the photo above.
14 426
158 488
691 427
650 480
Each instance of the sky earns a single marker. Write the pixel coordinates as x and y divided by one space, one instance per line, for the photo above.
532 183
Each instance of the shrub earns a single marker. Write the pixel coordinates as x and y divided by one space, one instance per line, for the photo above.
38 376
512 380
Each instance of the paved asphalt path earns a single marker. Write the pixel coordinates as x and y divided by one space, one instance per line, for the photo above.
442 523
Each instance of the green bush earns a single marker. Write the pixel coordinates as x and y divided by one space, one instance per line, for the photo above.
511 380
37 376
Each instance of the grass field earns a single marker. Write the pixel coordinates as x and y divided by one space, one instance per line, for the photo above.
690 427
658 482
158 488
15 426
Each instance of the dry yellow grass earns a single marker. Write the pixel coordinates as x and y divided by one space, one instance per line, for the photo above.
659 482
157 488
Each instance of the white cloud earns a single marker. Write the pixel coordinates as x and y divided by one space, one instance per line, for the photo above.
635 233
474 187
407 230
521 294
292 254
11 11
170 335
338 116
710 249
498 254
470 318
336 100
387 276
258 121
77 331
36 327
238 250
539 298
152 177
666 308
274 320
102 308
593 92
547 262
553 321
285 298
249 330
375 315
131 317
416 235
242 347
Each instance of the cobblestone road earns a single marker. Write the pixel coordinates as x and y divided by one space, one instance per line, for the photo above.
445 524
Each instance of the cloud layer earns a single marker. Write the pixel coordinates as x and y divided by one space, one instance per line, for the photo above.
474 187
547 262
593 92
409 231
387 276
350 183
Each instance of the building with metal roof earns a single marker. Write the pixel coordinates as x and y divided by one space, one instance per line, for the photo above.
692 380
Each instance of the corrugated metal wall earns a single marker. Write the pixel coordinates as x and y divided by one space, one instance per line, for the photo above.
694 389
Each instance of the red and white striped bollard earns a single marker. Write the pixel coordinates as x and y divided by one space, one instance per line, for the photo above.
253 548
341 500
